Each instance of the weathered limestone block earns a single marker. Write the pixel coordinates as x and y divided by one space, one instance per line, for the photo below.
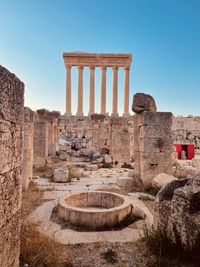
186 130
153 145
10 242
92 167
183 170
161 180
126 183
11 136
196 162
11 119
29 118
177 211
73 126
108 159
143 102
40 143
61 174
53 118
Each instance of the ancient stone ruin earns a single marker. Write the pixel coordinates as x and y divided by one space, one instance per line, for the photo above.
177 211
92 61
94 210
46 130
29 119
98 164
152 139
11 130
27 138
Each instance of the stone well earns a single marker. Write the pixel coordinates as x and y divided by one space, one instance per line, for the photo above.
94 209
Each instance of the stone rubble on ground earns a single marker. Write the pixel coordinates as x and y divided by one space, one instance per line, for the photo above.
61 174
177 211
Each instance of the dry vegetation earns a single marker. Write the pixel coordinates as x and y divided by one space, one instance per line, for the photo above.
153 250
37 250
158 251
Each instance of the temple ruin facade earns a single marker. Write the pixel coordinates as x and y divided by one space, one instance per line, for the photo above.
92 61
30 140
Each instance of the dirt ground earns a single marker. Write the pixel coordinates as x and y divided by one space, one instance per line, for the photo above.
93 254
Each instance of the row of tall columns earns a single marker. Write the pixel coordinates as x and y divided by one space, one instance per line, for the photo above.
103 91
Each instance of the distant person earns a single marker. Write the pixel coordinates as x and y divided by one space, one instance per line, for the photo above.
183 155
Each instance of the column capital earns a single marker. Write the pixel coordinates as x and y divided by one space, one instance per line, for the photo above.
80 67
103 67
127 68
68 67
92 67
115 67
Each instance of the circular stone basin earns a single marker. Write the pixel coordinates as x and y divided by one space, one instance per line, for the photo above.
94 209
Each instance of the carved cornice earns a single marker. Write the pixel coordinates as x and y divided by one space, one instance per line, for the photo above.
96 60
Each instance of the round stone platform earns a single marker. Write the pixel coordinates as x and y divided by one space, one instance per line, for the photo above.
94 209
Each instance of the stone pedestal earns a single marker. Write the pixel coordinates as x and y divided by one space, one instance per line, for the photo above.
153 145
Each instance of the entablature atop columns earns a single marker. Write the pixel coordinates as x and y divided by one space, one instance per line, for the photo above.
96 60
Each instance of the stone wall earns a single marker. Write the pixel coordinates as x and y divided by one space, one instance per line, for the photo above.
29 118
11 119
152 145
122 129
75 127
46 136
114 133
101 132
186 130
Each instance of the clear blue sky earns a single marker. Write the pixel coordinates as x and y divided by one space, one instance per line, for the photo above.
162 35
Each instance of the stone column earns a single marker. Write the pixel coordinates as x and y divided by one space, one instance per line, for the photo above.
53 118
92 91
40 141
115 92
80 91
29 119
103 89
68 91
126 91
